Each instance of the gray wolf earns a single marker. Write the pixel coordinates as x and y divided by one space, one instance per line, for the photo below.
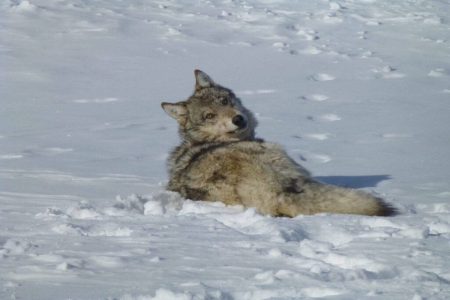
220 159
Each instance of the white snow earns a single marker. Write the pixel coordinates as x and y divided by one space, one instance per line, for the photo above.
356 91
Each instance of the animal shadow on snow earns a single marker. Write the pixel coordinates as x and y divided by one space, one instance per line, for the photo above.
355 182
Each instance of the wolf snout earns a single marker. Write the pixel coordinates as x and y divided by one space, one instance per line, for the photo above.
239 121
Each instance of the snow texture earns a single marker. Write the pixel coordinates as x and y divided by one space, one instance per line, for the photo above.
356 91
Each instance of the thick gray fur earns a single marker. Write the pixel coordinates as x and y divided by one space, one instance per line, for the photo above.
218 160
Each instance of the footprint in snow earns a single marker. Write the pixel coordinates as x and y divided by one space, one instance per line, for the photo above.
330 118
362 35
315 97
280 45
284 47
308 34
312 50
318 136
325 118
330 18
305 34
322 77
388 72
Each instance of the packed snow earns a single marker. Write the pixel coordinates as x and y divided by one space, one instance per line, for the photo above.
356 91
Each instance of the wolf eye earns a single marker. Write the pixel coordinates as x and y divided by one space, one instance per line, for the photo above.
224 101
209 116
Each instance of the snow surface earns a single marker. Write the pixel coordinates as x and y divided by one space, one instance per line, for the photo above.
357 91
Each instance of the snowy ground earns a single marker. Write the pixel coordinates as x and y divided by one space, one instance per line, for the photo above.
357 91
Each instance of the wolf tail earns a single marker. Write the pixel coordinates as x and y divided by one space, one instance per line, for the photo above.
323 198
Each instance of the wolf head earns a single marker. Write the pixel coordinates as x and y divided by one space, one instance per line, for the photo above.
212 114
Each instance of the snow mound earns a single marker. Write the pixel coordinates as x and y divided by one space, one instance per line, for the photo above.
245 221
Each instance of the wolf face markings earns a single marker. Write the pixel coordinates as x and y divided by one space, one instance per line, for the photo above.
212 114
220 159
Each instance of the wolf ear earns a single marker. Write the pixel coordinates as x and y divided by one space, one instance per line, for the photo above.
202 80
178 111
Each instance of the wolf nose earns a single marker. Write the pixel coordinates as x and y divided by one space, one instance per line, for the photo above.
239 121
